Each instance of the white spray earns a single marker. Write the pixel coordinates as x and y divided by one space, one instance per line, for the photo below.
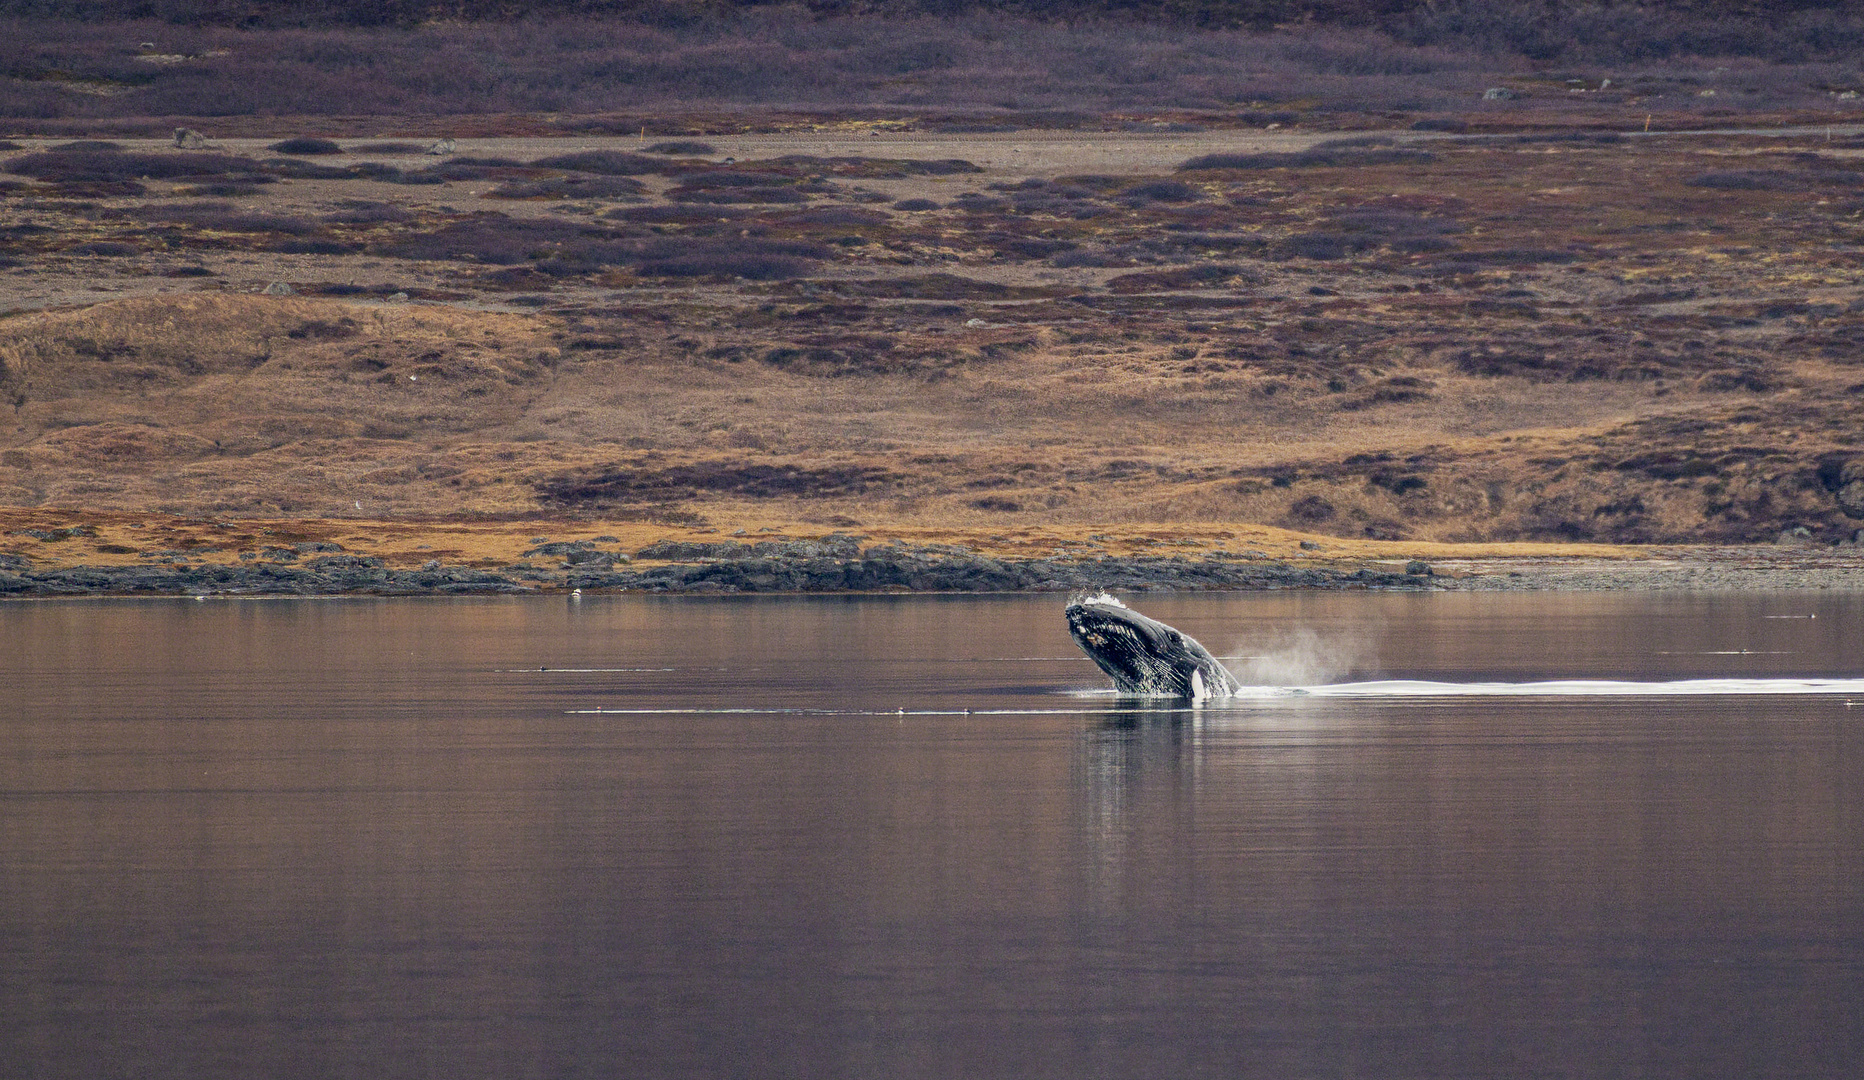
1300 657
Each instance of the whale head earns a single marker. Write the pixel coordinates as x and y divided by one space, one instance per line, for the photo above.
1145 656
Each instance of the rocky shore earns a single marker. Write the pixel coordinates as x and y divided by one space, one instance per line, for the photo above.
726 567
840 564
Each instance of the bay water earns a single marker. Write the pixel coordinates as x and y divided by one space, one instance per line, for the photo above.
1450 835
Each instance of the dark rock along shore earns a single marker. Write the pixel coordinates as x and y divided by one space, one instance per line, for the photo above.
839 564
834 564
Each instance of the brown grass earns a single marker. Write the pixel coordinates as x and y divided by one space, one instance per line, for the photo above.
1539 340
107 538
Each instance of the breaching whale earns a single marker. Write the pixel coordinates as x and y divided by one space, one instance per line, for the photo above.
1144 656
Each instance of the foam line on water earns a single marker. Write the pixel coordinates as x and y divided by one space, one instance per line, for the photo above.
778 711
576 670
1393 688
1725 652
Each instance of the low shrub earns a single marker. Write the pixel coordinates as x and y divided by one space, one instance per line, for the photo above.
1397 390
323 330
361 212
605 162
974 202
1209 276
1777 179
756 480
1064 200
737 195
682 215
305 146
686 147
293 169
836 216
722 178
1403 231
570 187
1166 191
1030 247
229 189
478 168
1311 509
939 167
494 239
312 247
561 248
99 189
109 248
1516 257
932 287
375 170
223 217
349 289
79 165
1743 180
854 357
915 204
1321 245
753 259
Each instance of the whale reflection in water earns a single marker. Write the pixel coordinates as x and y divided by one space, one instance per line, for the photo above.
1145 656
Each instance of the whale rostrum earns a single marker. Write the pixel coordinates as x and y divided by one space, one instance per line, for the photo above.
1145 656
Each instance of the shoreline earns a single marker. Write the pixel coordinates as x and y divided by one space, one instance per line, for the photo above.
50 552
900 569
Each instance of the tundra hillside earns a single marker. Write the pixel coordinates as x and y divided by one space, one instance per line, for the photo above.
1595 337
1528 318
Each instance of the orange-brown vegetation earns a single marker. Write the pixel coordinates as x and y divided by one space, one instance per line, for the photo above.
1406 341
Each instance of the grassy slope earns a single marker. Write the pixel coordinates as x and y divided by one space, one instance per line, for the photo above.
1590 345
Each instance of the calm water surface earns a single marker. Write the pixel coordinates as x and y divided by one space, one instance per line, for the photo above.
638 837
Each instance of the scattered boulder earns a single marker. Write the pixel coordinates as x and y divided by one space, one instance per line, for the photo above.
1850 491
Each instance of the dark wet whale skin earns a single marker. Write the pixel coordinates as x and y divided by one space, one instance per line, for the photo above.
1145 656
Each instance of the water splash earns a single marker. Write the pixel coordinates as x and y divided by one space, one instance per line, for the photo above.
1301 657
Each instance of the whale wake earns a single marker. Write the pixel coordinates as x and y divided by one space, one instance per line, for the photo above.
1412 688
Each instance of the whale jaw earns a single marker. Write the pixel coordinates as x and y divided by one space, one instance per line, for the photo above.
1145 656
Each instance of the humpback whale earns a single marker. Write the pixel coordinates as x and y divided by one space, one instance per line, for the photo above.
1144 656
